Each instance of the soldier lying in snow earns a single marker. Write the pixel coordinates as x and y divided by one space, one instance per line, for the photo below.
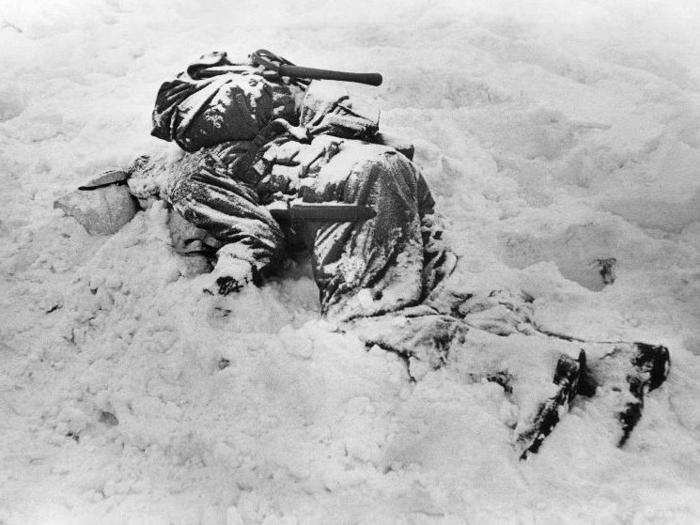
255 138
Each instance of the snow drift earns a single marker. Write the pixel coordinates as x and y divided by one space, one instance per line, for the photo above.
554 134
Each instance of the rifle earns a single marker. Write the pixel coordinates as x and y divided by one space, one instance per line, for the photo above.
276 66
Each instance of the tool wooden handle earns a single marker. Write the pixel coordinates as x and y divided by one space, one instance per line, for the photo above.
373 79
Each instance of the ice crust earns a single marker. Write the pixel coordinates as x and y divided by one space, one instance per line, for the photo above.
553 134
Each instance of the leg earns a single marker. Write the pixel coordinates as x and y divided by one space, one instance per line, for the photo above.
540 374
622 373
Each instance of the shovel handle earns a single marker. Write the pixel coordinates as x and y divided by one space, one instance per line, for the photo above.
285 70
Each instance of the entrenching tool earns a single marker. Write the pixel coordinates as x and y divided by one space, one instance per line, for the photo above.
277 66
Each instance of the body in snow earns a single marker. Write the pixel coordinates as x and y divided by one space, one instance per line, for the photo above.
250 141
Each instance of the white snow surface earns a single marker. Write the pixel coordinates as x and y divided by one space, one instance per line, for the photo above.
552 132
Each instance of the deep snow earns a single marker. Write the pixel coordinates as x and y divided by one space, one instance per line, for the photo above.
553 133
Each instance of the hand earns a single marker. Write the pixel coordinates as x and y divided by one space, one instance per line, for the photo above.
230 275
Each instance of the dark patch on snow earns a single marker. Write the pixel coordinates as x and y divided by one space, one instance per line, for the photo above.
405 358
504 379
222 312
228 284
607 269
441 343
108 418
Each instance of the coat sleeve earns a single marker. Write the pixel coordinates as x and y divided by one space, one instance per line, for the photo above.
202 189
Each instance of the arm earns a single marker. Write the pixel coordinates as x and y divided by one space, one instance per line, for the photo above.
202 190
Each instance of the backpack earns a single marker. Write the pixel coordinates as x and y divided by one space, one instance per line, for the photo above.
215 100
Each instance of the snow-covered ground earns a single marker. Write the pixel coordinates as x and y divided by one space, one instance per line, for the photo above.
554 133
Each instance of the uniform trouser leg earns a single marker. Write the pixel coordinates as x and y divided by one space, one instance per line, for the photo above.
541 374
